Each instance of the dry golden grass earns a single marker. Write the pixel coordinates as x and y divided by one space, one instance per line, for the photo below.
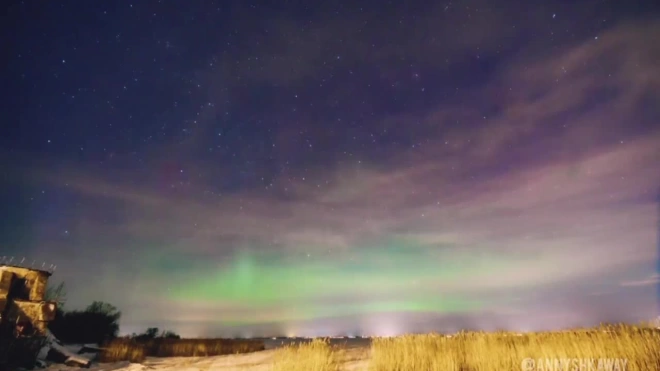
136 351
123 350
317 355
475 351
466 351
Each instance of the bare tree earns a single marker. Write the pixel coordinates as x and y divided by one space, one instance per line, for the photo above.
56 294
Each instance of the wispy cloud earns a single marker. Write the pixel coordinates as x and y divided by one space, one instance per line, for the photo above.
552 169
653 279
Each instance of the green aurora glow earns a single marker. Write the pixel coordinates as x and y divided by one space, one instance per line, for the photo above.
397 277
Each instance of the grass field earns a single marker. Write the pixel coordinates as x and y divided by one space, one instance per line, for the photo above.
316 355
477 351
136 351
466 351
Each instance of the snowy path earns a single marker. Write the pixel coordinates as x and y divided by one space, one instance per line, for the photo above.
353 359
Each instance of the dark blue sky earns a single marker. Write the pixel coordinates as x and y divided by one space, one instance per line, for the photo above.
294 127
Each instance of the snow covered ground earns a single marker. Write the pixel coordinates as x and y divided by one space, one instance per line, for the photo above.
354 359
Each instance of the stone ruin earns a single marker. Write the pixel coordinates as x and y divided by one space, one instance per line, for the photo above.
24 314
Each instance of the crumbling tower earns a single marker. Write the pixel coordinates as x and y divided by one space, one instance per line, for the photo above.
22 297
24 314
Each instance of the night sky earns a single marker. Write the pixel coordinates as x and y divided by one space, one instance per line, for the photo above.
242 168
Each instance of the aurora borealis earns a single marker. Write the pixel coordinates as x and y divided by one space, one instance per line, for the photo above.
354 168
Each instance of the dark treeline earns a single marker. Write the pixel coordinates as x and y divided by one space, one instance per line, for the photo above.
96 324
